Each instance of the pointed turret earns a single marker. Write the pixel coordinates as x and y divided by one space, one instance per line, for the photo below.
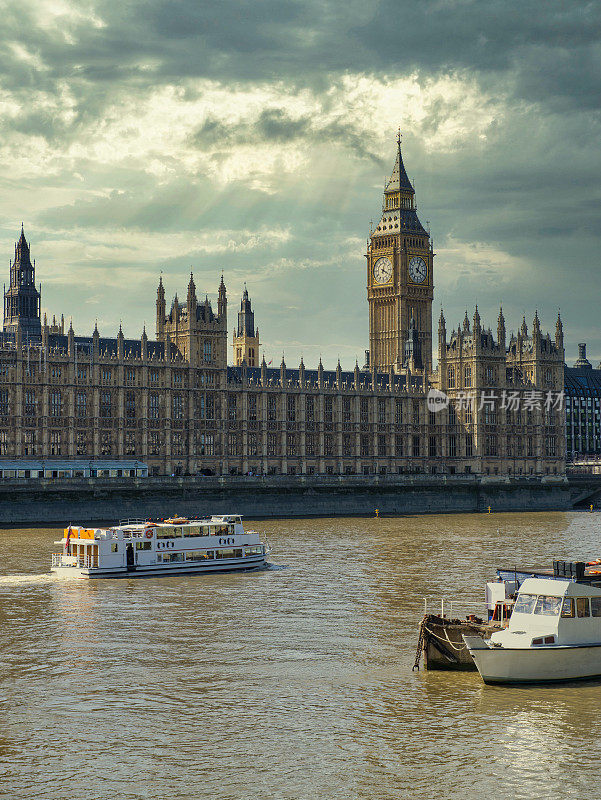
477 325
399 180
283 373
191 298
120 343
263 372
466 323
442 327
559 332
524 328
144 344
160 309
222 303
413 354
442 338
320 374
501 332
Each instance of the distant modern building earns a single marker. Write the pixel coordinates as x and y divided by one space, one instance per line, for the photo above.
583 408
174 404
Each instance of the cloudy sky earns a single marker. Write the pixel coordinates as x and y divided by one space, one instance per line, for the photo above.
254 137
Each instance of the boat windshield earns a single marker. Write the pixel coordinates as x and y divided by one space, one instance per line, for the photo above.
548 605
524 604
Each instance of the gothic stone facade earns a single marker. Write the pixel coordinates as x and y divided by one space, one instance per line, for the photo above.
506 398
175 404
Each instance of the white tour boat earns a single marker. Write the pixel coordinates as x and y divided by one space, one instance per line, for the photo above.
554 634
171 547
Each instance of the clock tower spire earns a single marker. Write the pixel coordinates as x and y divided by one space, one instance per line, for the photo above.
399 277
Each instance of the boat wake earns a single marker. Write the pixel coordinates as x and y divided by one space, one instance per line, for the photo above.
276 566
21 580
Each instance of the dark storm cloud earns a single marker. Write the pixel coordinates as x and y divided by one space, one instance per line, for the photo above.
552 46
275 125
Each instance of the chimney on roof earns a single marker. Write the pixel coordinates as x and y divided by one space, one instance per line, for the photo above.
582 362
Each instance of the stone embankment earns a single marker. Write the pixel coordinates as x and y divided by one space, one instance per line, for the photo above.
86 500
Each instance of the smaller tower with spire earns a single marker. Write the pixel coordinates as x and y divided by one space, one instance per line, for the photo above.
22 301
246 337
191 330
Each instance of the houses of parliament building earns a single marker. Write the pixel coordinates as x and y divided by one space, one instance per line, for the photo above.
174 403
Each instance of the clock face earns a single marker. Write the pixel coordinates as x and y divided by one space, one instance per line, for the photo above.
383 270
418 269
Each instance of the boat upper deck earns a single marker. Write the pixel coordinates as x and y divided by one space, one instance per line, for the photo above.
229 525
577 571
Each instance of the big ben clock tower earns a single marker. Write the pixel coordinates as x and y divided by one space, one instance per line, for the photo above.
399 280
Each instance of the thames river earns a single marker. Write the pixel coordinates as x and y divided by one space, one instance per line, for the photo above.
293 682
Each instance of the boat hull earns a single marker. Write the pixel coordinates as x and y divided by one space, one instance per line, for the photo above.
555 663
156 570
442 644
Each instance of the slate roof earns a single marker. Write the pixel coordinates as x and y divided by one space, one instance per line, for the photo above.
57 341
399 179
397 220
582 382
234 376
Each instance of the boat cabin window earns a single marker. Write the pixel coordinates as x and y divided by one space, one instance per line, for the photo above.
171 557
229 553
192 530
524 604
143 545
547 605
596 606
567 609
582 607
255 550
168 532
114 548
196 555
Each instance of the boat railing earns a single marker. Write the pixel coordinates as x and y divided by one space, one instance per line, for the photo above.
82 562
454 606
133 522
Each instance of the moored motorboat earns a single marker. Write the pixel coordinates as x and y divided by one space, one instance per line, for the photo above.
554 633
139 548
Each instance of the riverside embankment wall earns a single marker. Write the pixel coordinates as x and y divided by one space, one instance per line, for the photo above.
86 500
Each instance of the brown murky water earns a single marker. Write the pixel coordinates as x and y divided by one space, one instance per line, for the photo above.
289 683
